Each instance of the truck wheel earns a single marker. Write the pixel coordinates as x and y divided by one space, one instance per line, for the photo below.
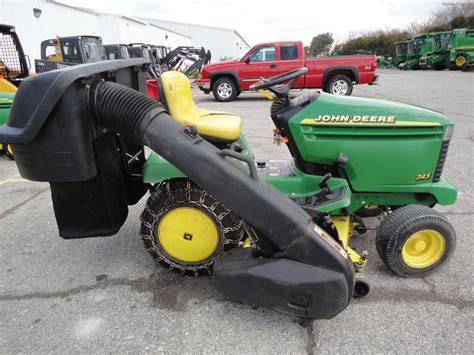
185 229
339 85
225 89
415 241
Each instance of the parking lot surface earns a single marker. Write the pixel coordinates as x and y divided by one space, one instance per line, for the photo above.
107 294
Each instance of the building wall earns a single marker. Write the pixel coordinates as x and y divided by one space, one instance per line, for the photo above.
223 43
61 20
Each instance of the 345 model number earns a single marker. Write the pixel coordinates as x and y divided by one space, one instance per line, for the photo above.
424 176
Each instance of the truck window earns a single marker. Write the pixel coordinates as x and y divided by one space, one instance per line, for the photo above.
263 54
288 51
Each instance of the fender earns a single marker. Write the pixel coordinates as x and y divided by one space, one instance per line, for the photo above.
157 169
328 71
232 73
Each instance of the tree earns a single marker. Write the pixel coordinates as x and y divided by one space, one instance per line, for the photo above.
321 44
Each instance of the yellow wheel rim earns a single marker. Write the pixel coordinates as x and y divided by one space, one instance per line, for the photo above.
188 234
460 61
424 248
9 149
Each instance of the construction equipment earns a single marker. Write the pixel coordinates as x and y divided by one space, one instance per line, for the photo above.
62 52
187 59
142 50
116 51
285 226
401 49
14 68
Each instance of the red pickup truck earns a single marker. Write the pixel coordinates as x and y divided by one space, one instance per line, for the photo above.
335 75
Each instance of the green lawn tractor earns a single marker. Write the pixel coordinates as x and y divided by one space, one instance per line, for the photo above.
13 69
461 49
414 47
273 234
401 53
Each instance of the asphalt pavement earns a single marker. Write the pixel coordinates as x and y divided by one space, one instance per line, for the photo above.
106 295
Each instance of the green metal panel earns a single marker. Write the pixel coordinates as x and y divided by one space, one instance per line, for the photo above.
383 156
6 101
157 168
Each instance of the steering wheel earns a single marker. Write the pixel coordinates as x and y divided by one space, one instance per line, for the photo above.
267 83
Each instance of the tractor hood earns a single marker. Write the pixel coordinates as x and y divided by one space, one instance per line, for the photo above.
357 111
405 144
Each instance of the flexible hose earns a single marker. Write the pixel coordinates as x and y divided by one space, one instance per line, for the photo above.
123 109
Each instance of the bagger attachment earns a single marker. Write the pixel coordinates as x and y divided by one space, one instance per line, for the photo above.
76 128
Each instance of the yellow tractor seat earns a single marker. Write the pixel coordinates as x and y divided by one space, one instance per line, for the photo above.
175 94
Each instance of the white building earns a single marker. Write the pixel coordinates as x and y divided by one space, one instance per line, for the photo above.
37 20
224 43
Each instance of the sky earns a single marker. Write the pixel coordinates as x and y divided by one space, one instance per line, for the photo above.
271 20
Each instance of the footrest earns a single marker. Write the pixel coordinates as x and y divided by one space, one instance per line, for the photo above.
282 285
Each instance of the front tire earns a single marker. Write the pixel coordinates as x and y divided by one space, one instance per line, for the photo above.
225 89
339 85
186 229
415 241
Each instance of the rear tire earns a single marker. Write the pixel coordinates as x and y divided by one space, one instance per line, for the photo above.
182 246
225 89
415 241
339 85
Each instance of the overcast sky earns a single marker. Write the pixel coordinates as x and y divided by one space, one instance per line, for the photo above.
271 20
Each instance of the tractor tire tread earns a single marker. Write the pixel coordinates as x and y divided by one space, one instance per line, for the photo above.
177 189
391 231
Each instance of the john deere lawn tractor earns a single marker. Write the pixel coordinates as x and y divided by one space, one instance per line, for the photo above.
13 69
273 234
60 52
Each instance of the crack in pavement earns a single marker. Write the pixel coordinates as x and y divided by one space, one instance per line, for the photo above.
308 326
9 211
409 296
458 213
170 292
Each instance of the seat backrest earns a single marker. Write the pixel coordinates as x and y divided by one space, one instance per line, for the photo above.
177 90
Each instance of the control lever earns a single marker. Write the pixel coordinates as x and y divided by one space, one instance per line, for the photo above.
323 184
321 195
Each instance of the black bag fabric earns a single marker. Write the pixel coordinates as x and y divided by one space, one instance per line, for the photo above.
95 207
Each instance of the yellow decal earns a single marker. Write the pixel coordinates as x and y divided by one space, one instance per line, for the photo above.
361 120
424 176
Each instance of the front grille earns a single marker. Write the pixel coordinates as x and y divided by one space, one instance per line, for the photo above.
442 159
